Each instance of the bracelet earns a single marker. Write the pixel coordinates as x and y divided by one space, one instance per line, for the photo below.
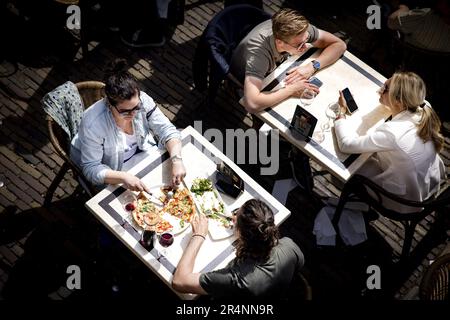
198 235
175 158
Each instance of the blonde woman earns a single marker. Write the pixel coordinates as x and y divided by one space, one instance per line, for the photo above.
406 161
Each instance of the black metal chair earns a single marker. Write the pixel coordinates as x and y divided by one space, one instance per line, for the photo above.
436 280
211 64
360 188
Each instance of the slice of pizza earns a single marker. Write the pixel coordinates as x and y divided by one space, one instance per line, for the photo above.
181 205
163 226
146 214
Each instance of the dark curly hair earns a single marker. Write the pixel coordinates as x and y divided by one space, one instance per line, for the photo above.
120 84
258 233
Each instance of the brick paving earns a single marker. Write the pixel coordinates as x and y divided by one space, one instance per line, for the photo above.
28 163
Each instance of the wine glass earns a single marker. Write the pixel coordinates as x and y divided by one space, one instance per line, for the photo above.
129 203
165 239
332 111
307 97
318 136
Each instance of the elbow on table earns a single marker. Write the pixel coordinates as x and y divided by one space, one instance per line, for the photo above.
251 106
178 285
342 47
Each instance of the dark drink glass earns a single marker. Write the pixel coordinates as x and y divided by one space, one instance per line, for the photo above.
147 239
166 239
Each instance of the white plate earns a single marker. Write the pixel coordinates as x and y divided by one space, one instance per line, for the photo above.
204 203
175 222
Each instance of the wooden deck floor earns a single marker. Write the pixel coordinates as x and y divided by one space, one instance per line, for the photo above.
32 238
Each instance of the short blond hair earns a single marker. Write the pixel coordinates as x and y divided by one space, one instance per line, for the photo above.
288 23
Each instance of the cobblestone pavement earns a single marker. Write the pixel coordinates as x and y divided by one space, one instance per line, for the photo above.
47 240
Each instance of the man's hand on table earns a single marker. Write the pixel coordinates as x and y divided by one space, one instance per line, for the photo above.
299 86
299 73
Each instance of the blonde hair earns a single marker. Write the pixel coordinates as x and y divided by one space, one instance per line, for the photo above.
288 23
409 90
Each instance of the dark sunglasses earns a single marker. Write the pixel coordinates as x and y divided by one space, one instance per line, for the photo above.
129 112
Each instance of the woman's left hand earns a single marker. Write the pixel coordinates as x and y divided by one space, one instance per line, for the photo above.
178 172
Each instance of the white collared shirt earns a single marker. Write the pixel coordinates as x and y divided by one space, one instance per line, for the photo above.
403 164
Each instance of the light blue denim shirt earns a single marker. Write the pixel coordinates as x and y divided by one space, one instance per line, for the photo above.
97 147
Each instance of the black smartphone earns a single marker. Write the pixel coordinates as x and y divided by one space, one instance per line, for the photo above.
315 81
351 104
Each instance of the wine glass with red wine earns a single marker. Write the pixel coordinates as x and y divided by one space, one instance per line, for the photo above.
165 239
129 203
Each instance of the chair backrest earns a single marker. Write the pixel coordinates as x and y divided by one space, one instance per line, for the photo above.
220 37
435 282
90 92
228 28
375 196
360 188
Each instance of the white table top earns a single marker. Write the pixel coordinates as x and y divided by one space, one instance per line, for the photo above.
363 83
200 158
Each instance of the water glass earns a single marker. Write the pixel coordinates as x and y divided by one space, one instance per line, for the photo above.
307 97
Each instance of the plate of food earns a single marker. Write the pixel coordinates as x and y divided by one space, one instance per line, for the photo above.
174 215
209 201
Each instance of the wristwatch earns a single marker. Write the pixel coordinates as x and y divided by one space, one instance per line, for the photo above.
175 158
316 65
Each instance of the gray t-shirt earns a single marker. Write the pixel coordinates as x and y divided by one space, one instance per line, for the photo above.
256 54
251 279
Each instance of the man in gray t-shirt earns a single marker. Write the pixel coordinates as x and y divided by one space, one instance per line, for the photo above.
249 278
264 265
268 44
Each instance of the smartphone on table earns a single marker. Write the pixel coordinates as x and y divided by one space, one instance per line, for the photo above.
351 104
315 81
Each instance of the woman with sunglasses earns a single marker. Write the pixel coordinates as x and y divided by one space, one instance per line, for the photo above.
406 161
124 123
264 265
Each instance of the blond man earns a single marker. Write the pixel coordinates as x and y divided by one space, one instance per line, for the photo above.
268 44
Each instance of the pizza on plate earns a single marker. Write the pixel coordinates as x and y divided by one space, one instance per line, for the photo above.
180 204
148 216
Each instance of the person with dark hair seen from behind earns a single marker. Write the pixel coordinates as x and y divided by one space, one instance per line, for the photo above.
406 149
118 127
427 28
268 45
264 265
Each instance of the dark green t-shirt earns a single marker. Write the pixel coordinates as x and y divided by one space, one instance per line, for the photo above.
251 279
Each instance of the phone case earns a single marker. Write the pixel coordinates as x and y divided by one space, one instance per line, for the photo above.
351 104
